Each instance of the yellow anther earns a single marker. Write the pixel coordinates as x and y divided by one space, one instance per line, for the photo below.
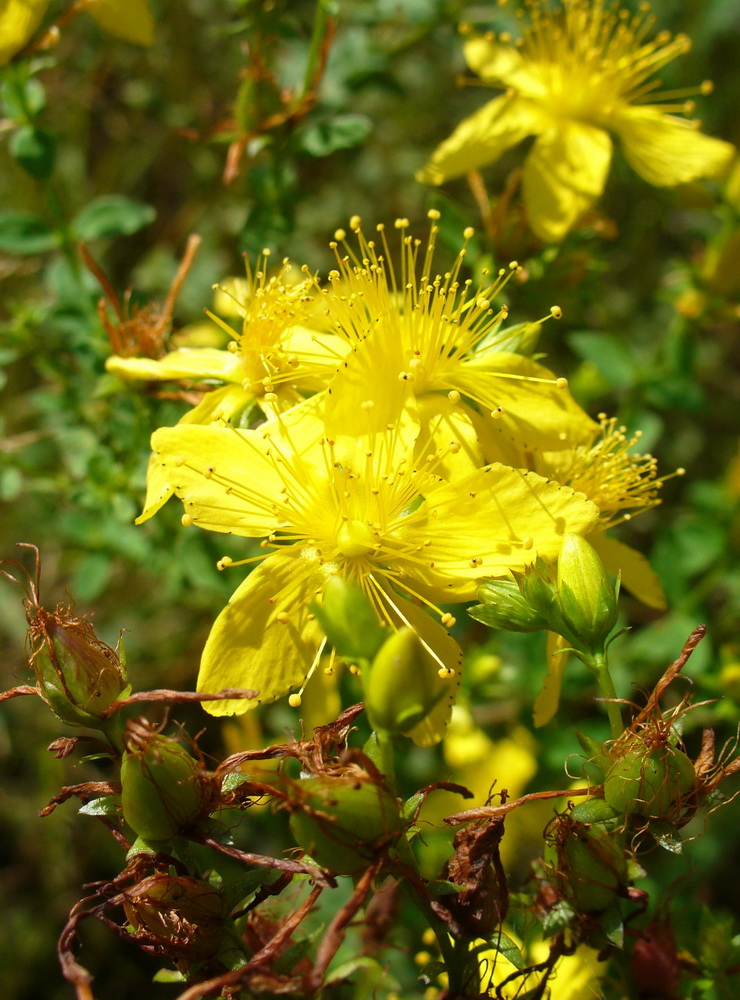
340 234
223 562
434 214
283 617
454 396
354 223
561 383
468 232
445 673
294 700
186 520
556 312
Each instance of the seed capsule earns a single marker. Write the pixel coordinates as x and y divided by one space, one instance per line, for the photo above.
184 915
343 821
164 789
590 864
78 675
649 782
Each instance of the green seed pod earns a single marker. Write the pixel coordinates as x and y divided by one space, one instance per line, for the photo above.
184 915
402 686
590 863
649 782
586 595
343 821
78 675
164 789
593 810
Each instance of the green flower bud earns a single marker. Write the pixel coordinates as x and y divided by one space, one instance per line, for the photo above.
589 863
349 620
164 789
402 686
343 821
184 915
649 782
503 606
586 596
78 676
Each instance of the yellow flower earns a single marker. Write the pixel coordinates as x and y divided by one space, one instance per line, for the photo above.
441 338
272 354
127 19
574 977
580 71
18 21
381 517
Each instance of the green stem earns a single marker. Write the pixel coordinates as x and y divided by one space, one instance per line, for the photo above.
68 244
320 20
598 663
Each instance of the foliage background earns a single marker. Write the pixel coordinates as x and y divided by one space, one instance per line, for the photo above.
648 332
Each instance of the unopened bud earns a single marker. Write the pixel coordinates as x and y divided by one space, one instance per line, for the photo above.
78 675
184 915
586 595
349 620
164 789
343 821
503 606
403 684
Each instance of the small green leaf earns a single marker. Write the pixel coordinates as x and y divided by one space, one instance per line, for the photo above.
107 805
342 132
22 233
616 363
112 215
23 99
35 150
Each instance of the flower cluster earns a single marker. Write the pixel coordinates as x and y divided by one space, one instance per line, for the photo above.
411 447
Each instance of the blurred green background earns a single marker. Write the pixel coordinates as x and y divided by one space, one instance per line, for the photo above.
649 290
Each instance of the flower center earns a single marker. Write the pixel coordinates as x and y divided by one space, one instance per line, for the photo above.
355 538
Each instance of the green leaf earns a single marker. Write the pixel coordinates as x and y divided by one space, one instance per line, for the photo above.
22 233
342 132
616 363
107 805
112 215
35 150
23 99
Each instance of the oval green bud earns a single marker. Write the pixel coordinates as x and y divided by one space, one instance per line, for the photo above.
164 790
586 595
183 914
503 606
649 782
349 620
402 686
343 821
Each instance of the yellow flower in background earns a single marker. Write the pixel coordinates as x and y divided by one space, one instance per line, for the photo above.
18 21
581 70
381 517
575 977
440 337
127 19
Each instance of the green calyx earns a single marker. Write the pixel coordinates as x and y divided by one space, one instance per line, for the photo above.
343 821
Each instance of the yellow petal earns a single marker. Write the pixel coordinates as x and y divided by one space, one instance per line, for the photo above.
547 701
503 64
127 19
446 654
265 638
228 479
185 363
18 21
218 405
564 174
495 520
665 150
638 576
483 138
441 424
318 355
535 411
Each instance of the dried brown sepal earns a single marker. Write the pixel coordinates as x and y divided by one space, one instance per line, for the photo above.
475 865
86 791
172 697
142 331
